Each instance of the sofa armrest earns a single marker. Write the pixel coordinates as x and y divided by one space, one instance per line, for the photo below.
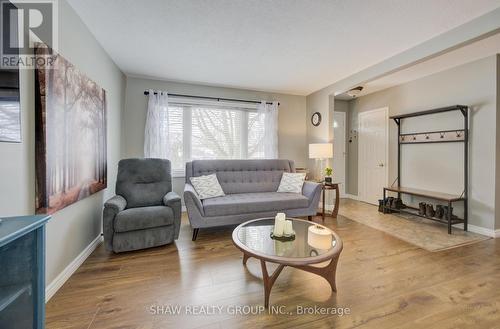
191 199
173 200
111 208
310 190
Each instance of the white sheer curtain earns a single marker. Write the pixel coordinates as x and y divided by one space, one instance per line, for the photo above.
269 115
156 143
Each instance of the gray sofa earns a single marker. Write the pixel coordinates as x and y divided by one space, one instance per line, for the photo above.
145 212
250 187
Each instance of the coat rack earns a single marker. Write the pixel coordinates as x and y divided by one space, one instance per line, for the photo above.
442 136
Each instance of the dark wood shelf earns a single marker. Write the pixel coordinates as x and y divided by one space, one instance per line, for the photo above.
433 111
426 194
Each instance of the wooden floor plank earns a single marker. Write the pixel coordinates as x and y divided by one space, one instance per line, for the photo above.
385 282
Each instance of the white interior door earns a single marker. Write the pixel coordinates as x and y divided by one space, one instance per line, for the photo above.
339 154
372 154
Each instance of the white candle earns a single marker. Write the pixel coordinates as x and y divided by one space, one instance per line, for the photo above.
288 228
279 226
319 237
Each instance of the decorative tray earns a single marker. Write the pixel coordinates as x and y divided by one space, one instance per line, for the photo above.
283 238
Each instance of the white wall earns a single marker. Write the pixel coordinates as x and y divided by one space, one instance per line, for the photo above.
291 117
72 229
440 166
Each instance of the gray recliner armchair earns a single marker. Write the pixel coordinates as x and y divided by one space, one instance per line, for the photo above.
145 212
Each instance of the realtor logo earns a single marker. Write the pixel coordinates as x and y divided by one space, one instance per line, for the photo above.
24 23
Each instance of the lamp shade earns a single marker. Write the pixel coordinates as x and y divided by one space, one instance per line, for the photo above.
320 151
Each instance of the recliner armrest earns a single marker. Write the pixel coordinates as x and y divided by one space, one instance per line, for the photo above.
309 189
171 199
192 197
111 208
117 203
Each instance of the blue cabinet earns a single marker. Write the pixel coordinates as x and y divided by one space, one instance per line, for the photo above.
22 272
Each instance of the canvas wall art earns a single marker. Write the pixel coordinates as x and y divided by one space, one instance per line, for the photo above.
70 135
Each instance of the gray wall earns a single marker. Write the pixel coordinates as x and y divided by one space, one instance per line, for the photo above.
318 102
440 166
72 229
291 126
497 176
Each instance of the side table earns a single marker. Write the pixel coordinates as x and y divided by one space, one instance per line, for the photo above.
330 186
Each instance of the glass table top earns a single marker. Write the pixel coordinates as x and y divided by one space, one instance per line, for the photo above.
256 236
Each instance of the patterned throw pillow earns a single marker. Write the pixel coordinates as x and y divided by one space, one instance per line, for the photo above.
292 182
207 186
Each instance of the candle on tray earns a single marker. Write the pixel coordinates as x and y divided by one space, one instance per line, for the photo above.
288 228
279 224
319 237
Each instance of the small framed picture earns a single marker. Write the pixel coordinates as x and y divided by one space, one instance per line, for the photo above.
10 109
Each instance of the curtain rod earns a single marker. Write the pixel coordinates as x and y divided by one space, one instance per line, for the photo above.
146 92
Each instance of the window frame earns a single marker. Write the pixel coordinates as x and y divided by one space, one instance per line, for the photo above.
187 107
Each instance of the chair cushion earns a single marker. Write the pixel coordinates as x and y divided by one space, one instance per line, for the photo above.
244 203
143 182
143 217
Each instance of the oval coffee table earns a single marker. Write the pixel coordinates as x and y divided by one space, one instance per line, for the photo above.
253 238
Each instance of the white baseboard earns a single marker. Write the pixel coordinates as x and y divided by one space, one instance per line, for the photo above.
352 196
480 230
58 282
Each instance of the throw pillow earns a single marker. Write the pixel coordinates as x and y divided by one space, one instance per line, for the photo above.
292 182
207 186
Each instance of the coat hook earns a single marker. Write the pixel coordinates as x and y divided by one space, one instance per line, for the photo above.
414 137
459 134
426 136
442 134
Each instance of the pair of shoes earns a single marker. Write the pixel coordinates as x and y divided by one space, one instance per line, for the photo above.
447 209
422 208
426 209
439 211
380 205
398 204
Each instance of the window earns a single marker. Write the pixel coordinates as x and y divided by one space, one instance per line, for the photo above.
200 131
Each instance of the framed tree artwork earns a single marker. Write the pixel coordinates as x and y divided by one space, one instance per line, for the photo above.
70 134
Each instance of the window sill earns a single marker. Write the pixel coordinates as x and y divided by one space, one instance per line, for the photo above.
178 174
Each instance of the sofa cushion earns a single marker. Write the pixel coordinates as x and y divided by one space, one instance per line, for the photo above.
292 182
243 203
143 217
207 186
242 176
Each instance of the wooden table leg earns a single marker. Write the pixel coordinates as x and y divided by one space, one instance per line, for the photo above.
328 272
323 212
245 258
337 199
269 280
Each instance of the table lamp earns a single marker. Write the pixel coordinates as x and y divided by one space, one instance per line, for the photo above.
320 152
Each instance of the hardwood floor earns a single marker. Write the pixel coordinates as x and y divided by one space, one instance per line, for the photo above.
385 283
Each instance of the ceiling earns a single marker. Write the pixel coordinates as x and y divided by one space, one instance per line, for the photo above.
289 46
466 54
